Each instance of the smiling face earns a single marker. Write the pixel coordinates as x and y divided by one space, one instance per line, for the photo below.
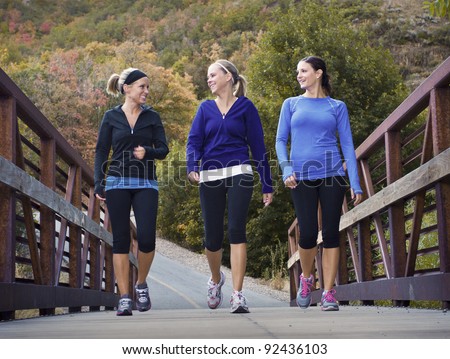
138 90
217 79
307 77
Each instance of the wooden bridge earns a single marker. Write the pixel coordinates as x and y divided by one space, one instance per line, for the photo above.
55 248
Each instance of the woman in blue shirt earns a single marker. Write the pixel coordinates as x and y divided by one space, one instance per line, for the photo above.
217 151
314 171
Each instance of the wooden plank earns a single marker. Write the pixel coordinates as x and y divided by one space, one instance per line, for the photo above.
8 129
419 204
29 220
22 182
62 234
423 177
292 259
87 236
19 180
352 246
16 296
47 216
440 117
443 218
377 222
396 210
365 251
434 287
75 235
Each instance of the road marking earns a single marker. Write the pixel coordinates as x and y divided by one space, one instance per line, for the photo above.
177 291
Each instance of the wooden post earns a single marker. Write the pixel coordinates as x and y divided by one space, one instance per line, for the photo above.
8 128
396 211
47 217
440 117
75 238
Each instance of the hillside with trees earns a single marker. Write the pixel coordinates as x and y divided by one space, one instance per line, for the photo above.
62 53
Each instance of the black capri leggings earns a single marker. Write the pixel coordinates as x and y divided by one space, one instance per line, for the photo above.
213 200
145 205
306 197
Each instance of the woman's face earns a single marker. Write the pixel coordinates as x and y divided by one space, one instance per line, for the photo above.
217 79
307 76
138 90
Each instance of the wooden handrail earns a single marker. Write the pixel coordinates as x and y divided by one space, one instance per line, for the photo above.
47 204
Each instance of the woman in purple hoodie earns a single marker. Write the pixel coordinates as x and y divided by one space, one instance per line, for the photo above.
217 152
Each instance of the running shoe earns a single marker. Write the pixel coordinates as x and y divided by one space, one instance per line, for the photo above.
125 307
143 302
329 302
304 291
238 303
215 292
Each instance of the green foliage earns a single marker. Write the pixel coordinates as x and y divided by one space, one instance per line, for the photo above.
179 216
363 76
439 8
359 10
267 235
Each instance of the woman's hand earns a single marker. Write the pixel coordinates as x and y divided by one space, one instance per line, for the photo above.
139 152
291 182
194 177
267 199
356 197
100 197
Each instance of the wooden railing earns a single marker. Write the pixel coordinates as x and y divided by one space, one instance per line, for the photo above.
55 245
395 245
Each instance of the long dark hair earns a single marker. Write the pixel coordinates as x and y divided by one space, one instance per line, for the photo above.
318 64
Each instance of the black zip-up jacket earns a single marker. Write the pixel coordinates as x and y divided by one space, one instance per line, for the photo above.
116 132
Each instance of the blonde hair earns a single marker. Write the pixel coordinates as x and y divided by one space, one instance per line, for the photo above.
115 83
238 80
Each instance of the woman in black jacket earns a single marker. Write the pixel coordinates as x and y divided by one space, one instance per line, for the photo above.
136 135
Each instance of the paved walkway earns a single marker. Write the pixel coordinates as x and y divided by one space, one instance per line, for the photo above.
271 323
262 323
179 312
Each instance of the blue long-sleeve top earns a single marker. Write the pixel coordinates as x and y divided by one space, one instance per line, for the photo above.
312 125
216 142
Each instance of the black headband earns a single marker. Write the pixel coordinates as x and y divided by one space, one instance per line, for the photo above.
133 76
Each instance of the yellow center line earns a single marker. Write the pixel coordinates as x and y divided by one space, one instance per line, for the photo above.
194 304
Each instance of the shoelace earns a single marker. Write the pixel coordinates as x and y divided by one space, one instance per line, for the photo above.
212 290
123 303
142 294
238 298
329 296
306 286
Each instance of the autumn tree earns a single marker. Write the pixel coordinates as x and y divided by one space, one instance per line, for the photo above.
68 86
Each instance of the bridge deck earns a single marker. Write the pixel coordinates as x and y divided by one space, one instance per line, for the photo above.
262 323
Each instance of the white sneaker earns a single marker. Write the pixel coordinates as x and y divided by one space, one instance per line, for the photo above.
238 303
214 296
143 302
125 307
